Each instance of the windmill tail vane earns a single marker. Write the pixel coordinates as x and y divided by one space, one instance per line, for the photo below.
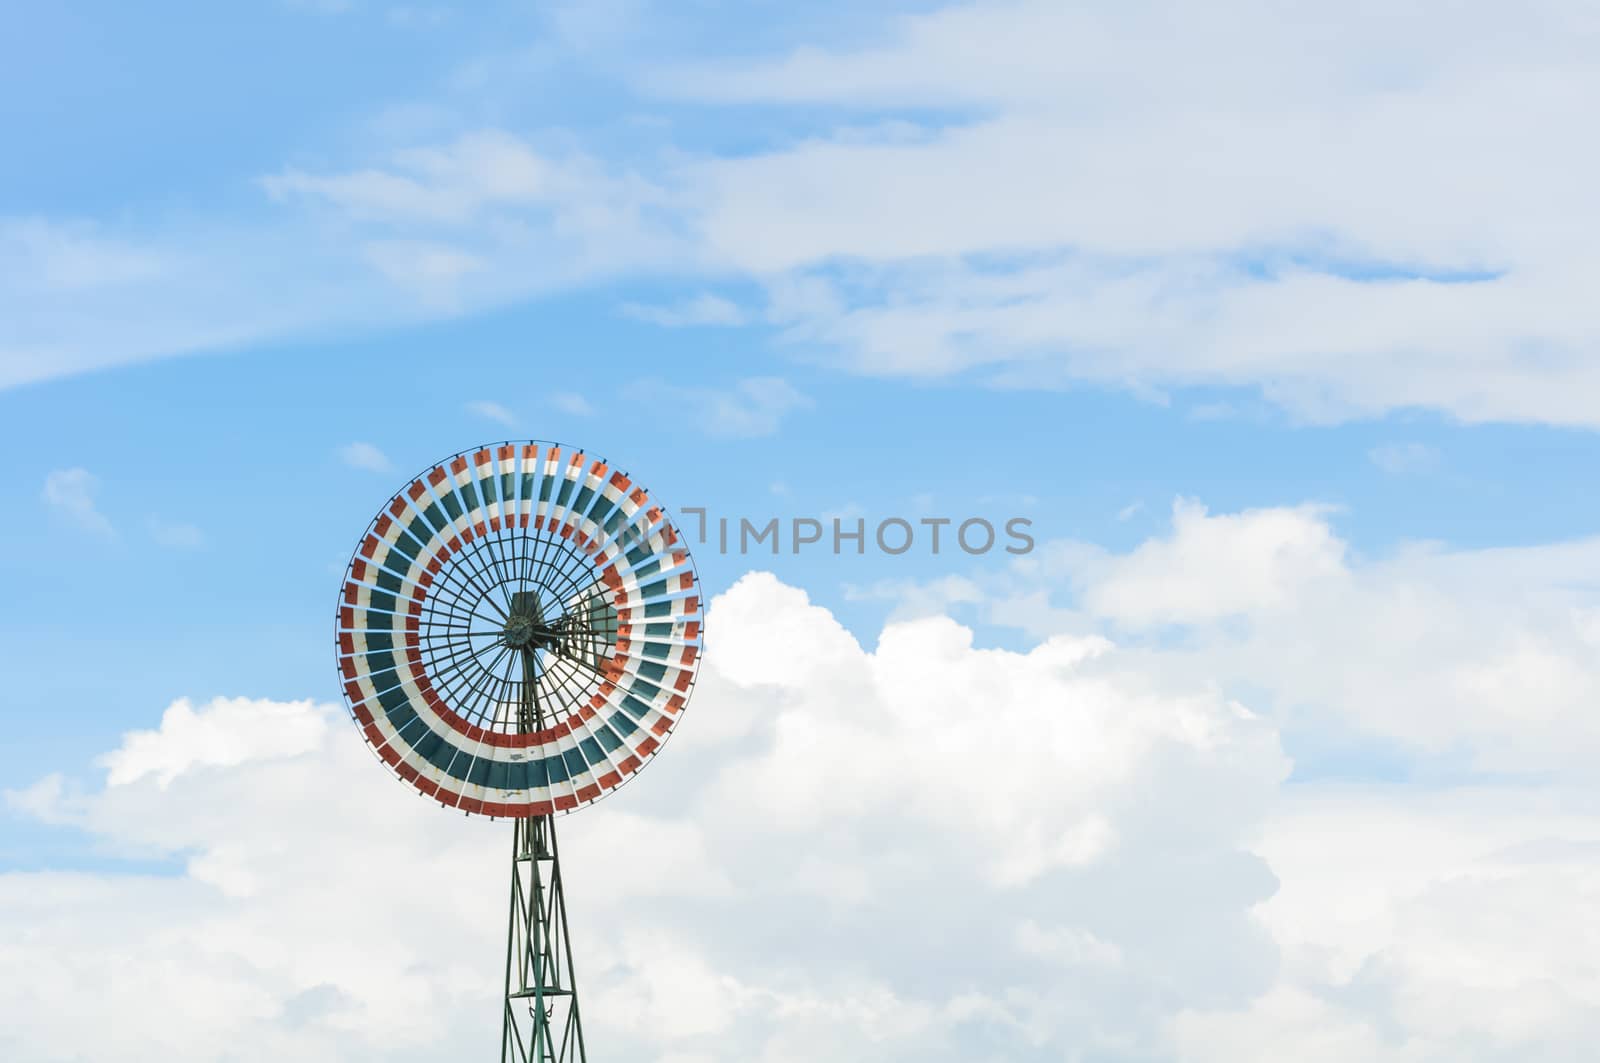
518 633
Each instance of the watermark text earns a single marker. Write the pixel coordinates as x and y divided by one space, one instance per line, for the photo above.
844 535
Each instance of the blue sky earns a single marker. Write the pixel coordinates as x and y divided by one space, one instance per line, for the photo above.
998 260
242 444
244 448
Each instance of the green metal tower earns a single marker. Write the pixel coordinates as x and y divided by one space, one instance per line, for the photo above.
542 1021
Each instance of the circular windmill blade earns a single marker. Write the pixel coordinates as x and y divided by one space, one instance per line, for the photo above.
519 629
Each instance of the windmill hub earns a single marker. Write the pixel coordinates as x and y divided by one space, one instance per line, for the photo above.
520 632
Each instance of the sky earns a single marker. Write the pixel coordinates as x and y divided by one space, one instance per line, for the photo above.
1274 325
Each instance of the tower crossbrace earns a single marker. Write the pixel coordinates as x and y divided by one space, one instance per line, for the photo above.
542 1019
543 1023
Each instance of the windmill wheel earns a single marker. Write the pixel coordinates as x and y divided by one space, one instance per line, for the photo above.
518 630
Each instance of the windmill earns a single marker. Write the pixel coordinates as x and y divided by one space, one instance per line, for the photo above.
518 633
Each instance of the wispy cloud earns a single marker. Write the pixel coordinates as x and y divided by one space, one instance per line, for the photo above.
417 17
571 402
365 456
1399 459
70 492
473 221
450 183
492 411
321 7
427 269
755 406
705 309
178 536
1343 277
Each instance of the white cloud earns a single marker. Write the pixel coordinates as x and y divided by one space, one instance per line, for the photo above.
476 220
176 535
452 183
70 492
364 456
430 270
856 793
571 402
1424 927
754 406
1101 835
488 203
79 296
226 732
1414 923
1324 347
321 7
1461 660
1215 566
72 257
1239 201
1401 459
1235 200
920 599
1481 657
492 411
703 309
417 17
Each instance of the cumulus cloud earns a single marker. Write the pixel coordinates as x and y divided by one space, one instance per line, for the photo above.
823 807
1481 659
1424 928
1215 566
1468 660
1444 919
225 733
927 850
70 492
